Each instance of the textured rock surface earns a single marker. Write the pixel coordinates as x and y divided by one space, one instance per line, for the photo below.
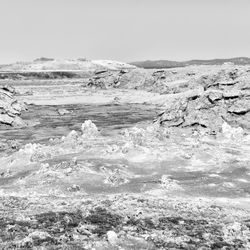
223 97
10 108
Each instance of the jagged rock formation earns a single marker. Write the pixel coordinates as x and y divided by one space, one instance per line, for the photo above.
10 108
159 81
193 98
220 97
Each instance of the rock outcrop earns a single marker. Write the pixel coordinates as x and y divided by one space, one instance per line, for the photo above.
222 97
128 78
10 108
158 81
104 79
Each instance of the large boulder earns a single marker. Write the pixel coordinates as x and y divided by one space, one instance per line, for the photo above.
104 79
160 81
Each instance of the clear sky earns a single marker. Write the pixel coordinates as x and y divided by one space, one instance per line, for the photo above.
124 30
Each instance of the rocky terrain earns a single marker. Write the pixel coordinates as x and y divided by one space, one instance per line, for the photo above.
104 155
10 108
222 97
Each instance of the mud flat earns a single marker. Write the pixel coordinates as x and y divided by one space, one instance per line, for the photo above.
95 172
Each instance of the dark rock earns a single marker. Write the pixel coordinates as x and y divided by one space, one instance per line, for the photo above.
9 89
100 72
103 220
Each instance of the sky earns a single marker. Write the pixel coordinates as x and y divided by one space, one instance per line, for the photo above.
124 30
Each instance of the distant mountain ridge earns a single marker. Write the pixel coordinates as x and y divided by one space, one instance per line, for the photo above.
160 64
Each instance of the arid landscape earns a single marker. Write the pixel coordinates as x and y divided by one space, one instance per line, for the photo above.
108 155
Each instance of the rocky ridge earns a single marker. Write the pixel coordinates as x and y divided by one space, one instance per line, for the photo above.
218 98
205 99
